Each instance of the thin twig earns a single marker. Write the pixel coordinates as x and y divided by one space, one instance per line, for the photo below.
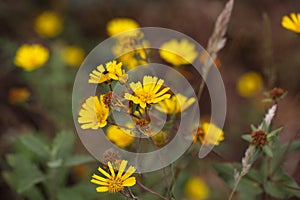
151 191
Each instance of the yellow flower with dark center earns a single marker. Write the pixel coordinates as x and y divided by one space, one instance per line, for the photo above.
112 71
178 53
119 25
196 189
112 182
18 95
73 56
121 137
30 57
291 23
48 24
177 103
93 113
249 84
147 93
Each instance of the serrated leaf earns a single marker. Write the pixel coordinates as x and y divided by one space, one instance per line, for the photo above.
62 145
267 150
36 145
77 160
247 137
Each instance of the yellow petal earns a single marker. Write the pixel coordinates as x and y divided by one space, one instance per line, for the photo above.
129 182
129 172
102 189
95 176
103 172
122 168
111 169
98 182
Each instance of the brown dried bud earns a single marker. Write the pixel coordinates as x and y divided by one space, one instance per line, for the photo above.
107 98
276 93
143 126
111 155
259 138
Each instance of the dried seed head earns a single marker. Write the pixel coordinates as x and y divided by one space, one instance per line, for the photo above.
276 93
111 155
107 98
143 126
259 138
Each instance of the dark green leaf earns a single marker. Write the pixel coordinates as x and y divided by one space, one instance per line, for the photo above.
77 160
267 150
36 145
62 145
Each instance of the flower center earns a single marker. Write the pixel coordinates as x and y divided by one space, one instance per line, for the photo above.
146 97
115 184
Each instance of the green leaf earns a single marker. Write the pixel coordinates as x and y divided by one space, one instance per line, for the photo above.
77 160
268 151
24 175
33 194
36 145
69 193
62 145
55 163
267 100
274 133
253 128
247 137
294 146
226 172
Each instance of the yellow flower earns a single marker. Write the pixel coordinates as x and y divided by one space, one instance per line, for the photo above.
113 182
176 103
148 92
249 84
292 23
196 189
93 113
178 52
73 56
112 71
210 134
130 54
18 95
119 25
48 24
30 57
121 137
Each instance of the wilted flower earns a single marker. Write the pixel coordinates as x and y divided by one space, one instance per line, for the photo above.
178 52
176 103
30 57
48 24
93 113
73 56
147 93
119 25
120 136
112 182
292 23
196 189
249 84
112 71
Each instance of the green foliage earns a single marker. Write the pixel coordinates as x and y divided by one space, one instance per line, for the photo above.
38 166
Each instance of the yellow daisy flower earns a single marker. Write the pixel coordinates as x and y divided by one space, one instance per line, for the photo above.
112 71
176 103
73 56
209 134
249 84
196 189
119 25
178 52
121 137
30 57
48 24
148 92
291 23
93 113
112 182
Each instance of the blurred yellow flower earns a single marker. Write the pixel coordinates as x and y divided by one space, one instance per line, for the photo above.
93 113
112 71
148 92
73 56
30 57
178 52
209 134
112 182
291 23
196 189
48 24
130 54
160 138
121 137
119 25
18 95
176 103
249 84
